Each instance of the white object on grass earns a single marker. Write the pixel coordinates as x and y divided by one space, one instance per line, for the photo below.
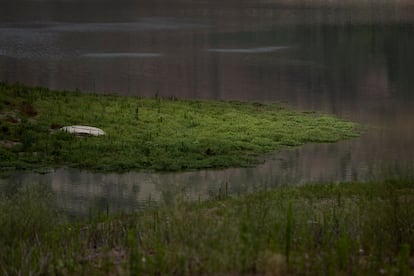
83 130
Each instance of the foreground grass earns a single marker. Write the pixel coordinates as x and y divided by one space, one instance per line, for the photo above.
351 228
156 134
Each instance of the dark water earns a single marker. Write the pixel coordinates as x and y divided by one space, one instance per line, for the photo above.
353 61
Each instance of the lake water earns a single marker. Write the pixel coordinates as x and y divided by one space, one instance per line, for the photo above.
352 61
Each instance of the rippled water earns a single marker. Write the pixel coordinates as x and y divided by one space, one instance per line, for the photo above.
355 62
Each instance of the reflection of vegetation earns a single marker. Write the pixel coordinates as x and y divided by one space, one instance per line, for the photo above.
336 56
352 228
400 60
160 134
351 52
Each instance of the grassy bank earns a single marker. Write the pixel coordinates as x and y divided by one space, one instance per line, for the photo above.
156 134
351 228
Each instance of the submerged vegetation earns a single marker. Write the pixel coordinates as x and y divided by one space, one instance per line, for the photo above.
326 229
142 133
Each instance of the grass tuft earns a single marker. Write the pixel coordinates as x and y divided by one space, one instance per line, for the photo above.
296 231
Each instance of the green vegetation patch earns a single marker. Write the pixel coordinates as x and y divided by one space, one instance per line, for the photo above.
327 229
155 134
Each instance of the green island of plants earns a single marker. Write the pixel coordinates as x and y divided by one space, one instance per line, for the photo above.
320 229
155 134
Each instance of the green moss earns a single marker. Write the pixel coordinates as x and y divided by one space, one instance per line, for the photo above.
157 134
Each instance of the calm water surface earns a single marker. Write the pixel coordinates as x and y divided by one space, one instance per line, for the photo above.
356 63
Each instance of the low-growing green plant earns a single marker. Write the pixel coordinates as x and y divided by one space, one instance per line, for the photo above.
367 230
155 134
25 216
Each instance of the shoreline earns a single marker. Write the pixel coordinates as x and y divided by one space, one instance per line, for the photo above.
157 134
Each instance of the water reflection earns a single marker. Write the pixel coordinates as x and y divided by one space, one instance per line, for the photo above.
144 24
354 62
250 50
121 55
78 192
